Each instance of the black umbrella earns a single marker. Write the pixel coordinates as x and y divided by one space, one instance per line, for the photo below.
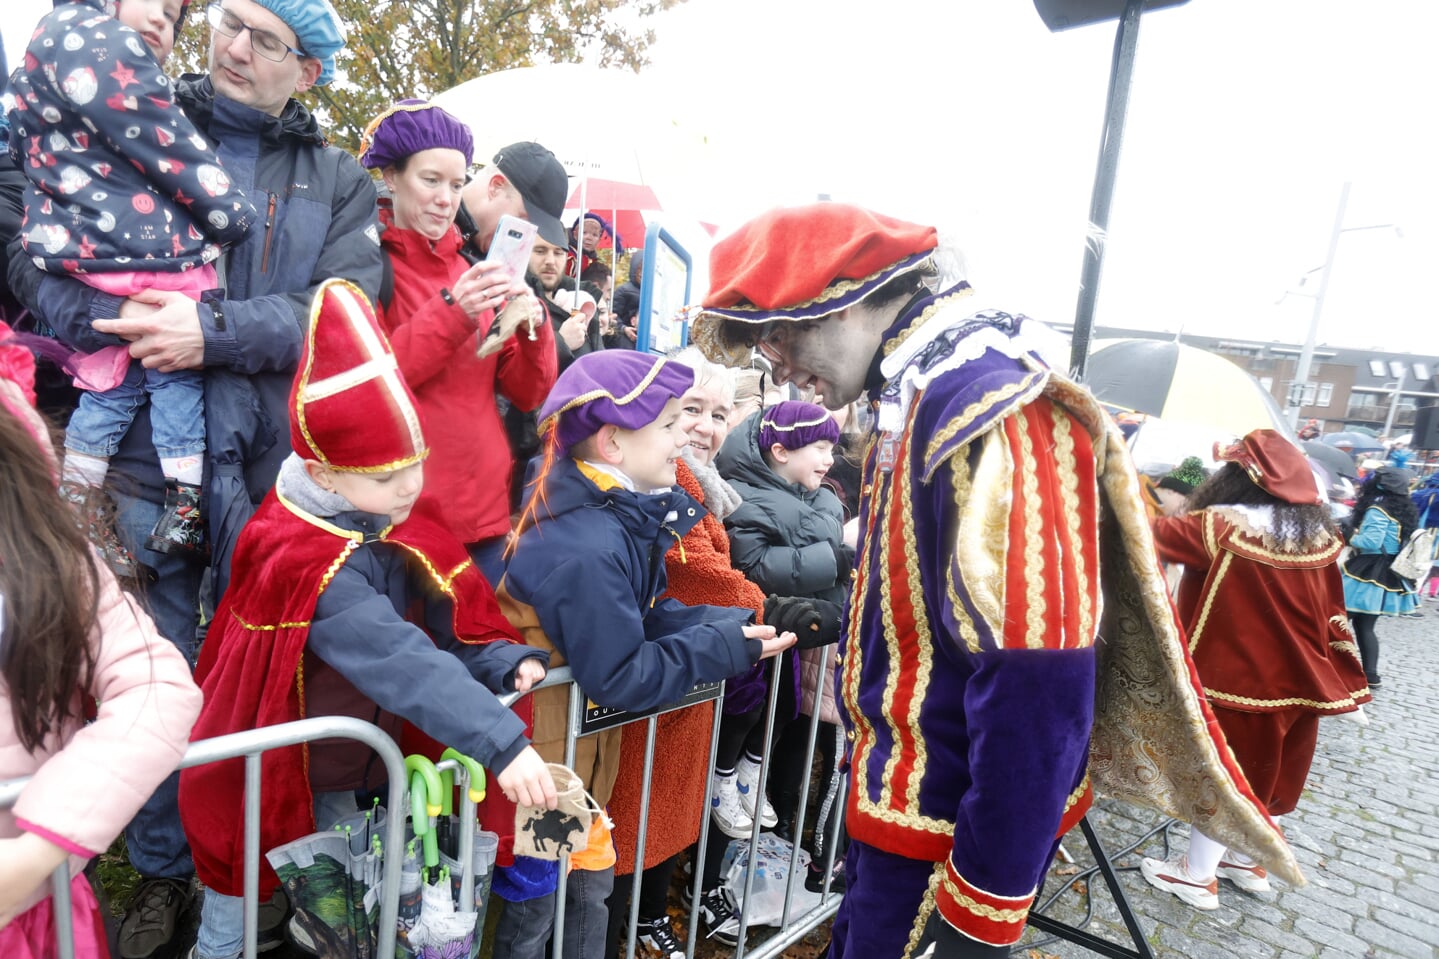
1335 460
1356 442
1179 383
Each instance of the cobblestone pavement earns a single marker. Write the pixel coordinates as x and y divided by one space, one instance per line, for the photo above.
1366 834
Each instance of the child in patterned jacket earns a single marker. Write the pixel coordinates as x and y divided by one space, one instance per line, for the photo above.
128 197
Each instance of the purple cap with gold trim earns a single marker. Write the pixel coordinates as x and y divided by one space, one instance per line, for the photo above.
621 388
793 424
409 127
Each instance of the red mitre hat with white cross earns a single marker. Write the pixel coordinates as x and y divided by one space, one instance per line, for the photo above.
349 406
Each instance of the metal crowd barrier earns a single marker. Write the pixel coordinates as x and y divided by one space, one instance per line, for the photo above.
792 928
250 745
253 743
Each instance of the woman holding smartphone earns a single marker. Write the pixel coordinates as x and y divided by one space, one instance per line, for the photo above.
452 324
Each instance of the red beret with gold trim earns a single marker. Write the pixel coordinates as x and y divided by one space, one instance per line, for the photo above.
350 408
805 262
1275 465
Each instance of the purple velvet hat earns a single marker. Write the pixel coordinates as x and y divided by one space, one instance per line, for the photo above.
621 388
409 127
793 424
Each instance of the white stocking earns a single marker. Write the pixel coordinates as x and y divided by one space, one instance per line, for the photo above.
1204 855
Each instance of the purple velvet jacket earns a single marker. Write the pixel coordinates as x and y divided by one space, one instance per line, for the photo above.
968 671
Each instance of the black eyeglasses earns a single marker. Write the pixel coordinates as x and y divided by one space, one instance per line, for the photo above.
263 42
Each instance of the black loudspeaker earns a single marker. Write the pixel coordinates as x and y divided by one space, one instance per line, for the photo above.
1426 428
1065 14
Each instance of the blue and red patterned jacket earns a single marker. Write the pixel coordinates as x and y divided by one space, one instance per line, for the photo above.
120 179
969 669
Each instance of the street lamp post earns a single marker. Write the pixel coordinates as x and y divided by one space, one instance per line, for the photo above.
1306 354
1394 403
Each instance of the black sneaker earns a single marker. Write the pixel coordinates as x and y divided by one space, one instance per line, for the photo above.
717 911
814 878
658 936
153 916
273 921
181 529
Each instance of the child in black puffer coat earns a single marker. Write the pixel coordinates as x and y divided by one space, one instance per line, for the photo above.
787 537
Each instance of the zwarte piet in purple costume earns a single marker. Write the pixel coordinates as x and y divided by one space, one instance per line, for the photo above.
982 711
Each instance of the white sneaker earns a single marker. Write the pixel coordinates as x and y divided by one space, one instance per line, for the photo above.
1357 716
1251 878
1173 877
747 782
727 810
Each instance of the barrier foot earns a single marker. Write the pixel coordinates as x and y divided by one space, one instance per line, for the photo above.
1088 940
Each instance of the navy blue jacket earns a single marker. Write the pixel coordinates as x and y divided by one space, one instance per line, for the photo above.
365 659
320 221
593 569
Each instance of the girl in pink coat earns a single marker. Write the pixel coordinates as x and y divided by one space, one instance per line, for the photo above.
71 645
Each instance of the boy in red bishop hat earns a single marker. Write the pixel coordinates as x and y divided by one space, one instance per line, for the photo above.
350 597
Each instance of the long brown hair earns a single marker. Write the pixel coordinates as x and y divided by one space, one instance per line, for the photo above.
51 589
1297 526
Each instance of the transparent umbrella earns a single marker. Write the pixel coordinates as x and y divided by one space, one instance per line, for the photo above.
602 124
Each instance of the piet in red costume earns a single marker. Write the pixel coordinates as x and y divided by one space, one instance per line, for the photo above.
322 614
1263 605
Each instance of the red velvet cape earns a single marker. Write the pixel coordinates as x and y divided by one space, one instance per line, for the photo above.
250 670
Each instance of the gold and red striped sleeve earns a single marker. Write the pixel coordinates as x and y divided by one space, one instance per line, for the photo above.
1051 565
980 915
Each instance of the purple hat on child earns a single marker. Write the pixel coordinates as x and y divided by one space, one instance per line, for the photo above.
621 388
793 424
408 127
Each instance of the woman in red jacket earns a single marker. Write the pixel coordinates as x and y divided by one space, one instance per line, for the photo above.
454 343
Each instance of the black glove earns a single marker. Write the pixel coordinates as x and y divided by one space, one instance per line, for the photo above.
791 614
825 630
843 564
940 940
814 622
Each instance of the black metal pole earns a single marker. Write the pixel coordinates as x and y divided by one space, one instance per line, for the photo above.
1121 73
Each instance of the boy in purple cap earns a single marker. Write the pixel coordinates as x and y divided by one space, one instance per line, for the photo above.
786 536
585 581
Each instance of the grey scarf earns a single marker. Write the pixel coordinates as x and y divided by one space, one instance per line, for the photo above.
720 498
296 486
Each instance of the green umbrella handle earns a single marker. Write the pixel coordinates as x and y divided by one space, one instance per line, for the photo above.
447 791
431 791
424 825
424 788
477 773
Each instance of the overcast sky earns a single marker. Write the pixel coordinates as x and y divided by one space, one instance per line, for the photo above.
1245 121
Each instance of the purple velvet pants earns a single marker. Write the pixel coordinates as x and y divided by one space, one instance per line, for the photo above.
883 893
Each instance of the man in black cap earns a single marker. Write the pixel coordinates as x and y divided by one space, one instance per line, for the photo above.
524 180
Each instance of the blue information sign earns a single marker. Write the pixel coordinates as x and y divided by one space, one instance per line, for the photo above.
662 325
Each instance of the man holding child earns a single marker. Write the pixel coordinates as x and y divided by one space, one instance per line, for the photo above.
319 222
